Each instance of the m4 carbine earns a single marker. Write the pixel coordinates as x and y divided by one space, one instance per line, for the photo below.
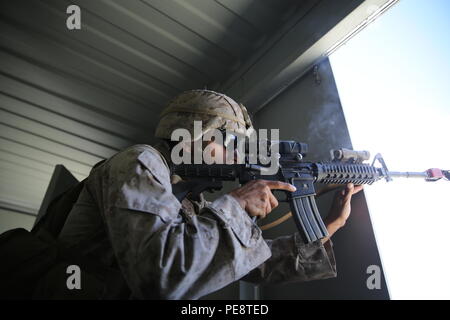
346 166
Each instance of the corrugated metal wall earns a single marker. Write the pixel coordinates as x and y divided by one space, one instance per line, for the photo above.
319 121
76 97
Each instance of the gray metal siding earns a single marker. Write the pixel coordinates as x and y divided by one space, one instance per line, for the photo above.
310 111
76 97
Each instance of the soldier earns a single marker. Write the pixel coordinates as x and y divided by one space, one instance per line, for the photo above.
171 250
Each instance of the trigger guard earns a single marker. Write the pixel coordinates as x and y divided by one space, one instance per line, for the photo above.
277 193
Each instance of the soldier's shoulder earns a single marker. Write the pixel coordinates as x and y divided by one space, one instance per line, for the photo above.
140 148
144 154
134 161
136 178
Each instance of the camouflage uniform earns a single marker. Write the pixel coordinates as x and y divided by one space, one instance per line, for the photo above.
172 250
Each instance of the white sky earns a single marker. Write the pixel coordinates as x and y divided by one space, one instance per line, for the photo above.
394 84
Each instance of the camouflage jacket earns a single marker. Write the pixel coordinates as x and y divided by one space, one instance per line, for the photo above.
172 250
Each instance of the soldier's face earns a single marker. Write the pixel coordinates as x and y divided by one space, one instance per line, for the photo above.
217 151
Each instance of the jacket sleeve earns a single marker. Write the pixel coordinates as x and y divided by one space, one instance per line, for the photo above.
293 261
161 253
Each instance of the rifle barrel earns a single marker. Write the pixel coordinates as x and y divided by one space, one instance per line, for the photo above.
398 174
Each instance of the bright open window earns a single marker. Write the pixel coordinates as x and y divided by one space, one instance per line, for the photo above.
394 83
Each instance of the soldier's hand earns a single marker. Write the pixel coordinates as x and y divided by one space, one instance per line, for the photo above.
256 196
340 209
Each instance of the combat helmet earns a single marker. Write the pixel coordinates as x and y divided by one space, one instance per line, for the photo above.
215 110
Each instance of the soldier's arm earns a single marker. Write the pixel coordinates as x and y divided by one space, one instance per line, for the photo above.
161 254
293 261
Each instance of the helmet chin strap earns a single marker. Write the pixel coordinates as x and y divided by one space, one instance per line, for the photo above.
248 121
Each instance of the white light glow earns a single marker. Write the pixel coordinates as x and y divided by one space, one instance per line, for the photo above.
394 79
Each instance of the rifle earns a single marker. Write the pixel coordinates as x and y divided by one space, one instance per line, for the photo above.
346 166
